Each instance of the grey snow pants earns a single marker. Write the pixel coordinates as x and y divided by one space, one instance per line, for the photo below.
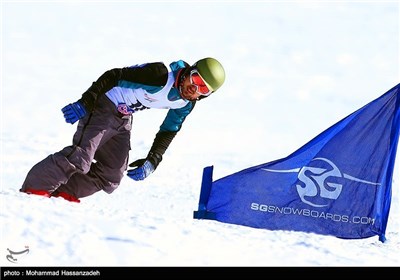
96 160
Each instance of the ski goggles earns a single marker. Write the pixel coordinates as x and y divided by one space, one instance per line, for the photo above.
198 82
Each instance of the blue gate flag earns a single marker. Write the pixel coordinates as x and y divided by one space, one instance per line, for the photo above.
337 184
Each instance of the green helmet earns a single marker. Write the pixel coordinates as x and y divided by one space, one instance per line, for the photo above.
211 71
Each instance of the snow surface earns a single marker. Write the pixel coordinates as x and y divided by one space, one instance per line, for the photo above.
293 69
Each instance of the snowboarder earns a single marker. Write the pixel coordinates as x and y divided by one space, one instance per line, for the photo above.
98 156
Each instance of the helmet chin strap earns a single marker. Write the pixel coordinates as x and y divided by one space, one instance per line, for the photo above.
179 79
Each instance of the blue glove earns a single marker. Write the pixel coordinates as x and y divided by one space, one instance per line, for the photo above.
144 168
73 112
